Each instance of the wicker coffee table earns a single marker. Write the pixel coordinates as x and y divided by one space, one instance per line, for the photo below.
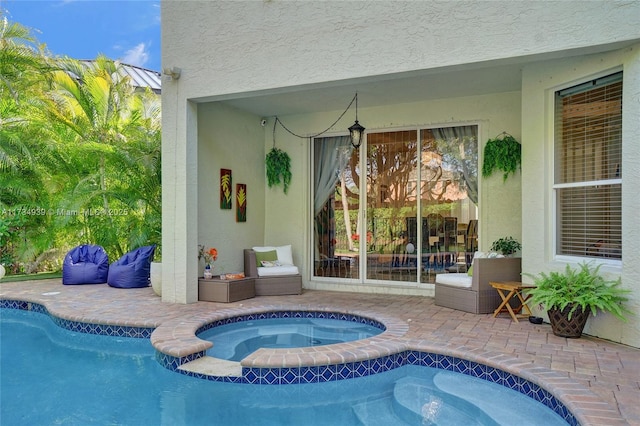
216 289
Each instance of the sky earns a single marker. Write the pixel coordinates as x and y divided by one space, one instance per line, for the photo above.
125 30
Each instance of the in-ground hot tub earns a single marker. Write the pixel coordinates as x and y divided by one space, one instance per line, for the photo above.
236 340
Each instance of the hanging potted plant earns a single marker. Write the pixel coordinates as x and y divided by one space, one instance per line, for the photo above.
507 246
570 297
278 168
501 153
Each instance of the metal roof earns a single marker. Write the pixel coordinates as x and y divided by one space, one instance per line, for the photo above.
140 77
143 77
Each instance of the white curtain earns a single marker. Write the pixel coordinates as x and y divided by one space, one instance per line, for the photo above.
331 157
467 165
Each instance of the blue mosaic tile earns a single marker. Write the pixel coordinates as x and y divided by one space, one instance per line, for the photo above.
270 377
291 376
35 307
445 363
511 382
344 371
374 366
477 370
80 327
326 373
14 304
249 374
309 375
358 369
292 314
428 360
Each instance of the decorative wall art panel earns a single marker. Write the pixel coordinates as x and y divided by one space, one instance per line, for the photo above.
226 191
241 202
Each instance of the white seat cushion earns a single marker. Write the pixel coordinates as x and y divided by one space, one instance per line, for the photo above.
461 280
277 271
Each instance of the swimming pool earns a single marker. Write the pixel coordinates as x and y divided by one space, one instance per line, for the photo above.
59 376
237 340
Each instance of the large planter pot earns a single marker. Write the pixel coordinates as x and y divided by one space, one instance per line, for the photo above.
562 326
156 277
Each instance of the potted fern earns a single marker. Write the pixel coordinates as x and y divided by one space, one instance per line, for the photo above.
502 153
278 165
570 297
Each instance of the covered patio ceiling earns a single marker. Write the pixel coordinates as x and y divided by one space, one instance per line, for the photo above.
471 79
381 90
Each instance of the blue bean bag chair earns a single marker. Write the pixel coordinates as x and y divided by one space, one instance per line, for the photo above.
85 264
133 269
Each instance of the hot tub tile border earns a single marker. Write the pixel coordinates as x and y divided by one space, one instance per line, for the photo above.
292 314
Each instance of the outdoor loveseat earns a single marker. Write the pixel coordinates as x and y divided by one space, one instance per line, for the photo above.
472 293
273 271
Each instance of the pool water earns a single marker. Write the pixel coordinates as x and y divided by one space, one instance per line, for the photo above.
237 340
53 376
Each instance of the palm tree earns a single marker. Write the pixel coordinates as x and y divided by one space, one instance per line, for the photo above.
110 135
22 199
78 143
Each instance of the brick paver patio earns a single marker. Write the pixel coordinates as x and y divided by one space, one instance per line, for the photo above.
597 379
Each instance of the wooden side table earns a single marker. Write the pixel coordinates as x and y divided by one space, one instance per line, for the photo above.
217 290
509 290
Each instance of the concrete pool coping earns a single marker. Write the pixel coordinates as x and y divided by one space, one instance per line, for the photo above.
597 380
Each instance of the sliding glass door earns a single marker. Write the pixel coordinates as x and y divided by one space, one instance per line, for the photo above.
420 199
336 205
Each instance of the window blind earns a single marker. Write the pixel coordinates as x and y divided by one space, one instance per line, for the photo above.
588 168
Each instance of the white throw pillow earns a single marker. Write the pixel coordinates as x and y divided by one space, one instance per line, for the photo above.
285 256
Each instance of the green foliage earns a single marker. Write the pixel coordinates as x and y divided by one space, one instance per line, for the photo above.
583 288
278 167
79 156
506 245
501 154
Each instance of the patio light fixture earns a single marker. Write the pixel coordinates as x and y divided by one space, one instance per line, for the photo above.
356 130
172 73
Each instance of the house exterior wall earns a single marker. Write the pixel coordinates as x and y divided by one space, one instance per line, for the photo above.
235 49
539 83
234 140
228 47
288 215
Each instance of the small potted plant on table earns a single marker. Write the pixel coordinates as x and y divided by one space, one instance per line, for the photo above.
507 246
570 297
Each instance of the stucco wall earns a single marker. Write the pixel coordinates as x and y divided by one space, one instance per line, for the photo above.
228 49
234 47
229 139
540 81
287 216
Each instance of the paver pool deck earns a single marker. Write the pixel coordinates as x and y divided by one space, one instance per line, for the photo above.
598 380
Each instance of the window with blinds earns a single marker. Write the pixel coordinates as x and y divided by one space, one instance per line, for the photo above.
588 169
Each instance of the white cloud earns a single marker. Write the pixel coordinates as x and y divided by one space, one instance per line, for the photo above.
137 56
